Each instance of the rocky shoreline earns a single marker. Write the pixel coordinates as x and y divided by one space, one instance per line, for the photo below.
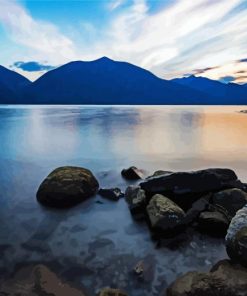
212 201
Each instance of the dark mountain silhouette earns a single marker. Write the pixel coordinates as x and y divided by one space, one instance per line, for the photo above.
105 81
11 86
230 93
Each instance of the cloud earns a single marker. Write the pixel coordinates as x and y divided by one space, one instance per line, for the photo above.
201 71
43 38
227 79
179 38
243 60
32 66
115 4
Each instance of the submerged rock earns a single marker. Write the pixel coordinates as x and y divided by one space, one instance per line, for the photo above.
224 279
136 199
229 201
67 186
111 292
111 193
214 223
145 269
164 214
186 187
35 281
132 173
236 238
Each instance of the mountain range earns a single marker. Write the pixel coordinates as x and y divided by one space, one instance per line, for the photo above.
105 81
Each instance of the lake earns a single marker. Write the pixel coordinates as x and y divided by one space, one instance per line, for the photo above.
97 243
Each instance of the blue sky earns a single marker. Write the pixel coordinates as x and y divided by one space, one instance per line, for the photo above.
172 38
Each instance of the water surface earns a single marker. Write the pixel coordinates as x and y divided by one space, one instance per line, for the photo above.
97 243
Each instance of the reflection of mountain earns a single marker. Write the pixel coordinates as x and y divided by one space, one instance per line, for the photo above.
105 81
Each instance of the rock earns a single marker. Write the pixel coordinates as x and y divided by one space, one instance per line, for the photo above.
224 279
67 186
136 198
186 187
35 281
214 223
229 201
111 193
145 269
160 173
197 207
236 238
139 268
243 111
164 214
132 173
111 292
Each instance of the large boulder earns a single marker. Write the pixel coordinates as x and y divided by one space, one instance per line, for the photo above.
67 186
35 281
136 199
186 187
229 201
236 238
224 279
164 214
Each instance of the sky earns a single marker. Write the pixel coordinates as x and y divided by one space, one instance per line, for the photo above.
171 38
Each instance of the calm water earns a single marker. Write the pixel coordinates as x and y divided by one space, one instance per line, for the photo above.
97 244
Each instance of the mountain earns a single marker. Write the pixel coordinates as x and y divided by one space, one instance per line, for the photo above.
219 93
11 85
105 81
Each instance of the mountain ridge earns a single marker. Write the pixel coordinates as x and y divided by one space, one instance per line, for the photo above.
105 81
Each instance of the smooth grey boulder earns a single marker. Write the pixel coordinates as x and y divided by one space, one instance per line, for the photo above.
67 186
224 279
229 201
236 238
136 199
186 187
164 214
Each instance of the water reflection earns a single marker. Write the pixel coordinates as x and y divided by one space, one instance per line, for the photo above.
101 239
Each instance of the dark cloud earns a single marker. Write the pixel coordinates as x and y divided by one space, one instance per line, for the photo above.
32 66
227 79
240 72
243 61
201 71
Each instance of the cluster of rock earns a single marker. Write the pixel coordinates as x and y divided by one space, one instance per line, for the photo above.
208 199
212 200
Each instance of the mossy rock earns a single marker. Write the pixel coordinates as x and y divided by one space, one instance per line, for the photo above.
164 214
67 186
